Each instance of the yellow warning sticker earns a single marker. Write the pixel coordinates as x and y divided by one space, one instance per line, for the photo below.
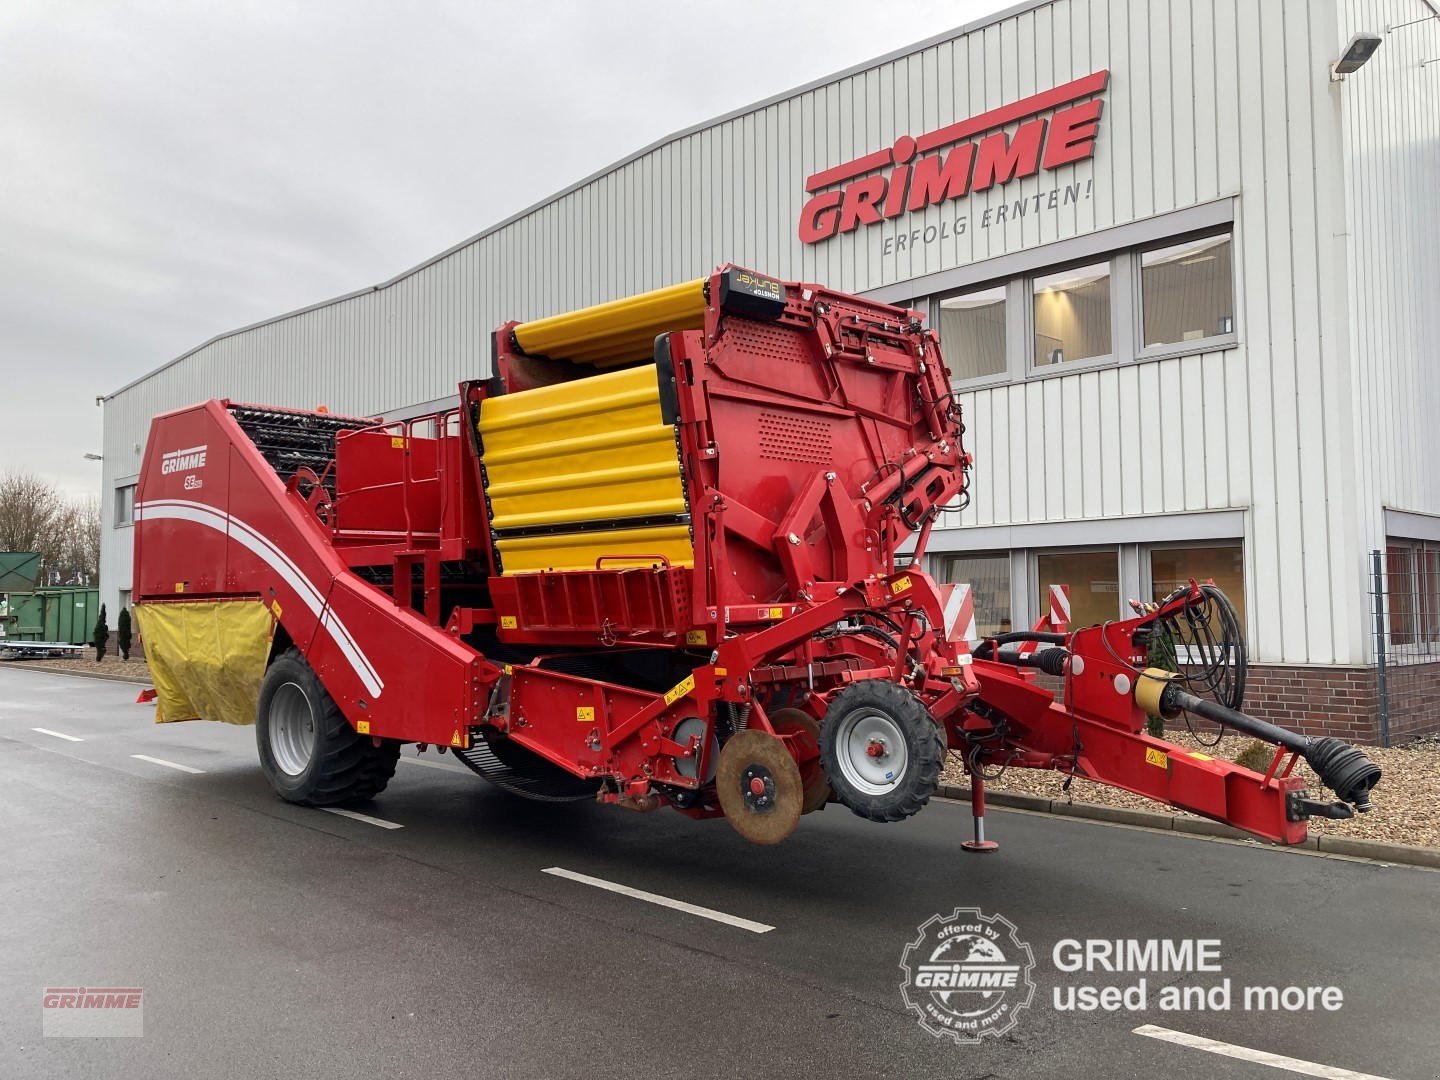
585 714
275 607
720 672
508 622
179 586
397 442
899 585
455 739
508 669
777 613
680 689
1158 758
695 637
362 726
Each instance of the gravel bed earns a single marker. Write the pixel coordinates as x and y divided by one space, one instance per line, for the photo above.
1407 799
134 668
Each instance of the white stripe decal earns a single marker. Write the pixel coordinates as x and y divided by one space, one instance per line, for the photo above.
248 538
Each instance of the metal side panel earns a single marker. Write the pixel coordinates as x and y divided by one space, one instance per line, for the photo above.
609 549
593 451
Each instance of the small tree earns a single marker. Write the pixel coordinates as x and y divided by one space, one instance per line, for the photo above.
102 635
122 633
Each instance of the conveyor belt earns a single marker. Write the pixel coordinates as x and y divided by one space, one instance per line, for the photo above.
291 441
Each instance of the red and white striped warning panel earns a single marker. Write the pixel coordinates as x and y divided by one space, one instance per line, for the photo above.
1060 606
959 612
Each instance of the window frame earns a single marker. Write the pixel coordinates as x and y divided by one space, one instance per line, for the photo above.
1118 283
1127 314
1042 602
1014 331
128 518
1165 350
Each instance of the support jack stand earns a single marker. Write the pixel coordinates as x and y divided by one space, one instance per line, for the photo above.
979 845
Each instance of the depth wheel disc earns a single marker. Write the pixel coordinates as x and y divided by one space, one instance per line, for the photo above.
759 787
805 746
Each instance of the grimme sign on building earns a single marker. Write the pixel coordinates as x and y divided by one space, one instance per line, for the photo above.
1060 127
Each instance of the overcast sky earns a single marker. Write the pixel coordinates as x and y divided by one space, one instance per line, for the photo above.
174 170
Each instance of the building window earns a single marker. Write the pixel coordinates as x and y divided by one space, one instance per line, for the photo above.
1072 315
972 333
1094 580
1412 591
1222 561
124 505
989 579
1188 291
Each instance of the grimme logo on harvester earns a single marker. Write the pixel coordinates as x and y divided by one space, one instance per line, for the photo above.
967 975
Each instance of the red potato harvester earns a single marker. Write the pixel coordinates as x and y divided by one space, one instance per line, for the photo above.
656 560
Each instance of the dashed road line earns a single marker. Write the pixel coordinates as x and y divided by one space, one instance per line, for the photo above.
167 764
377 822
57 734
1245 1053
663 901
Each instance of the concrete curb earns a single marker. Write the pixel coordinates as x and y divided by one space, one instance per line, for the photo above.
31 665
1378 850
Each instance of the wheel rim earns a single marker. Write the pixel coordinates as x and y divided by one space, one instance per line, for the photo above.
870 750
292 729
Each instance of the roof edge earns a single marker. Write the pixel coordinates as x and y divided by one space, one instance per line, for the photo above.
866 65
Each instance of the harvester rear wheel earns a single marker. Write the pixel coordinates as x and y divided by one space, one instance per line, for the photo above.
308 750
805 746
881 750
759 786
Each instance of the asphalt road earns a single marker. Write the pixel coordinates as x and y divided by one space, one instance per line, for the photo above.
276 941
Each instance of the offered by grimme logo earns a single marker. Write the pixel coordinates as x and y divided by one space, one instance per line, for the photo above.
1059 129
967 975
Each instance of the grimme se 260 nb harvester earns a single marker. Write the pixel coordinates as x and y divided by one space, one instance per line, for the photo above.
657 560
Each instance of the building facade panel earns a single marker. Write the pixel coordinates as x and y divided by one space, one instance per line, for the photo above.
1215 111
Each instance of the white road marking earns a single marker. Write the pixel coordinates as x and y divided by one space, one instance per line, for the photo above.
380 822
1244 1053
167 764
663 901
56 734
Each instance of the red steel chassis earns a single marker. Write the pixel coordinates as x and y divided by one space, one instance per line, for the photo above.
815 440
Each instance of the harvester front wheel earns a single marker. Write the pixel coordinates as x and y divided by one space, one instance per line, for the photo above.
881 750
308 750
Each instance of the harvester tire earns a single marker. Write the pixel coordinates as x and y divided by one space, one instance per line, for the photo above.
881 750
308 750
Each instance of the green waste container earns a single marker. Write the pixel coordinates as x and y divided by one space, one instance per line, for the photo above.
70 613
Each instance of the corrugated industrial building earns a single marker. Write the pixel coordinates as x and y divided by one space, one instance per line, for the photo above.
1185 280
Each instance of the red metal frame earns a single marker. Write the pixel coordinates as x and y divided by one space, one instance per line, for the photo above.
813 445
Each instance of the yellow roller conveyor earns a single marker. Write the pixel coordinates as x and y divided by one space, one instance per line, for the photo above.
617 332
594 454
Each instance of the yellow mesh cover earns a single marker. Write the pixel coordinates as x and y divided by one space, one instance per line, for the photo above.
595 450
206 657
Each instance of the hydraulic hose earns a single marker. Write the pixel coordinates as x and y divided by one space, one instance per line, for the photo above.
985 648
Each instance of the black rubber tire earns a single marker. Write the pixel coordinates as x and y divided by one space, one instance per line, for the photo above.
924 745
345 767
